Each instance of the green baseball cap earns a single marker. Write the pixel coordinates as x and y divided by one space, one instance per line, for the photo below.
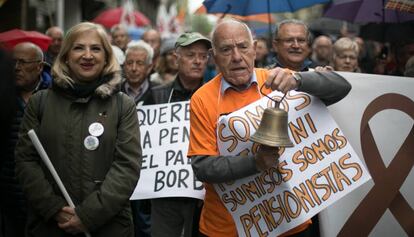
190 38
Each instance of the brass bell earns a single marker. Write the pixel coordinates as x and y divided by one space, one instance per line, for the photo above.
273 129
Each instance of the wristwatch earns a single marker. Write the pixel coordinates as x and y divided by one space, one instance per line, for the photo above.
297 77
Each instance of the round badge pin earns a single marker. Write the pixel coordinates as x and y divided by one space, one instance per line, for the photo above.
91 143
96 129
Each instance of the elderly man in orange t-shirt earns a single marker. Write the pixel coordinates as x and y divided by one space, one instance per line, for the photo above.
235 87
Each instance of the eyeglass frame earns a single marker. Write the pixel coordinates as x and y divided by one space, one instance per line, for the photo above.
292 40
23 62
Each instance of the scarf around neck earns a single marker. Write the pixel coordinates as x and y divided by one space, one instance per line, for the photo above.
83 90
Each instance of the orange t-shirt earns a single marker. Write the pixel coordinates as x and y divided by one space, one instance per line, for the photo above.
207 104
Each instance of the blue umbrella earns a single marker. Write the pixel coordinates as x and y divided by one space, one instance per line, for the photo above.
135 33
252 7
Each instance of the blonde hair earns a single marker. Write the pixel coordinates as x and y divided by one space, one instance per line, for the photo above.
61 70
343 44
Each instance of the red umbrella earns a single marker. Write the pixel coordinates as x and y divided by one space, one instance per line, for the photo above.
111 17
12 37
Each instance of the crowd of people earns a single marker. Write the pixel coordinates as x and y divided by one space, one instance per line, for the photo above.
81 95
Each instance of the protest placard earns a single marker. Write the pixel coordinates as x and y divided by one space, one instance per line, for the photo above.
166 171
378 119
321 168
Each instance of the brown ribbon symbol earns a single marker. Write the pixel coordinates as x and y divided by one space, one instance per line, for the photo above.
385 193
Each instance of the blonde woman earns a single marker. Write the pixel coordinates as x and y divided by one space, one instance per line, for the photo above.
345 55
91 134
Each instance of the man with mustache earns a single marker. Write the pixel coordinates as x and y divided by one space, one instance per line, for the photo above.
176 215
291 43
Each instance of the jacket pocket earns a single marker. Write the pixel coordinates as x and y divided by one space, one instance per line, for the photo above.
124 217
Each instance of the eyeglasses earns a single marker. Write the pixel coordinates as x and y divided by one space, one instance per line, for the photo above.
290 41
23 62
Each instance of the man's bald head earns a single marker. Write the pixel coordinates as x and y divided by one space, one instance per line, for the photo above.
322 40
225 25
322 49
54 30
234 52
31 49
153 38
56 33
28 59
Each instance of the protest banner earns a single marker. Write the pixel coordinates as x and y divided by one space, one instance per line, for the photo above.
377 117
321 168
166 171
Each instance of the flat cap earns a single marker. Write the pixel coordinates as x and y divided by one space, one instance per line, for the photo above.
190 38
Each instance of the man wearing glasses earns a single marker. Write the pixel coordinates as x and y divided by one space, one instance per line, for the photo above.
29 67
29 78
291 43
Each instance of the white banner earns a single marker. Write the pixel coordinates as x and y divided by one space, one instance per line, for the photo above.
321 168
378 118
166 171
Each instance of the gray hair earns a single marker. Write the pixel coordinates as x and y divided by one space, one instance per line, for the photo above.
141 45
118 27
229 21
39 52
309 36
32 46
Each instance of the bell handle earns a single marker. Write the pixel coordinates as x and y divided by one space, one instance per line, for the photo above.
277 103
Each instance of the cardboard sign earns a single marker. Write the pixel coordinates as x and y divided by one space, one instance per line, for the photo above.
166 171
321 168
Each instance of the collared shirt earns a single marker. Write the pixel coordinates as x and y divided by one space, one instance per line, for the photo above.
304 67
205 110
179 93
136 94
225 85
